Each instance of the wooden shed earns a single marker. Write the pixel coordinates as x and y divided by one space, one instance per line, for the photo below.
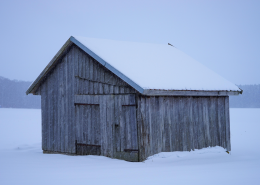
130 100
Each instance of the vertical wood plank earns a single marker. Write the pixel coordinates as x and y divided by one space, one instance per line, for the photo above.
108 129
162 134
98 134
126 114
174 122
77 122
149 127
228 143
50 114
182 135
72 106
95 85
142 128
206 122
91 85
84 72
222 121
167 125
88 117
201 133
117 126
93 124
111 123
215 121
66 121
69 97
87 74
122 124
77 72
191 120
44 116
56 86
59 99
103 125
195 120
151 121
157 125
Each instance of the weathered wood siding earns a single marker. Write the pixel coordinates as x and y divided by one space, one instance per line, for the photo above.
66 119
182 124
57 93
112 124
88 123
93 78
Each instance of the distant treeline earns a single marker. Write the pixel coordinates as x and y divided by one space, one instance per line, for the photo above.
12 95
249 99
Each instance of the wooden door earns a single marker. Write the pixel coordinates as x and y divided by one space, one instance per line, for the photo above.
116 126
128 129
88 137
126 143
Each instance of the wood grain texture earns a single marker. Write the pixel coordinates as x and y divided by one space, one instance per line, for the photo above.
87 125
93 78
181 123
227 117
77 74
58 107
44 116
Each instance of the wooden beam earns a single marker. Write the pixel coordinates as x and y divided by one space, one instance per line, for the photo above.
86 99
151 92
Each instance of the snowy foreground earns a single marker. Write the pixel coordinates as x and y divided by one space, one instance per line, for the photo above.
22 160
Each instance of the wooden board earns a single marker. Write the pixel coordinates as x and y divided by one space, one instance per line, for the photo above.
87 129
182 124
93 78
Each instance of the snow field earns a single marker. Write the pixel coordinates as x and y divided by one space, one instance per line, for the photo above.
22 160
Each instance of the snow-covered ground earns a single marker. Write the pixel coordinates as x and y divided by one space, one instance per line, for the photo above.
22 160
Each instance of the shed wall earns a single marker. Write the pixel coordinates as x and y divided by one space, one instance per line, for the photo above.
77 74
182 124
57 93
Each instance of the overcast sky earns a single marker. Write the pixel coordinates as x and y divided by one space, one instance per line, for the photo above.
222 35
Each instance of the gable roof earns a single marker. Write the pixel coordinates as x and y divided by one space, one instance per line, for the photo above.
147 66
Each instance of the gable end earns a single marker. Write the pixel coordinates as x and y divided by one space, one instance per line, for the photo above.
107 65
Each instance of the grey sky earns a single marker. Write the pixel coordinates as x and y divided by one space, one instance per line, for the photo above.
223 35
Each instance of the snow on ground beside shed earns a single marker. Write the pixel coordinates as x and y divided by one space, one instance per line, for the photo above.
22 160
157 66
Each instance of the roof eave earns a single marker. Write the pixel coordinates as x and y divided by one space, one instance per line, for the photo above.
157 92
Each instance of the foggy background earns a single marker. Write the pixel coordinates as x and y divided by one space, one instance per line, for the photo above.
222 35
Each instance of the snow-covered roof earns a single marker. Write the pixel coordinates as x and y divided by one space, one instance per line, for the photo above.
152 69
154 66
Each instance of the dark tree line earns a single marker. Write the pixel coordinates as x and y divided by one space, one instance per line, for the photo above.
249 99
12 95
